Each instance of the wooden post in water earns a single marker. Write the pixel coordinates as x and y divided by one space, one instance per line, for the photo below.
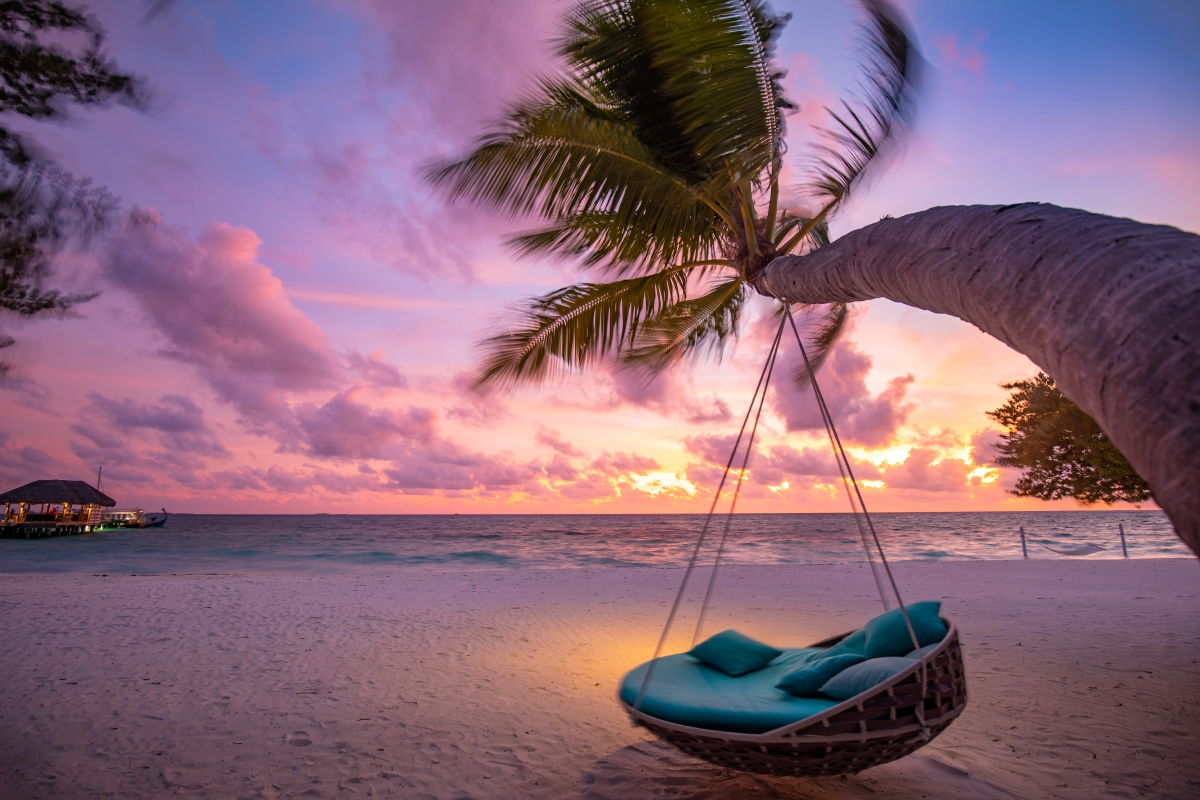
1024 549
1124 549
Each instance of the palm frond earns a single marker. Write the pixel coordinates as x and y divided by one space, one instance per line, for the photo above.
559 156
573 327
691 78
820 327
655 155
864 128
817 234
690 328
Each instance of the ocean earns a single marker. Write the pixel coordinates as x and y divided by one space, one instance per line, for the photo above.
320 543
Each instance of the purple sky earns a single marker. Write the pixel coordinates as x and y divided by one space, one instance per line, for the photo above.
294 331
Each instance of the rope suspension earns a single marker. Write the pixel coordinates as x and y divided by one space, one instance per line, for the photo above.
839 453
866 526
712 580
687 574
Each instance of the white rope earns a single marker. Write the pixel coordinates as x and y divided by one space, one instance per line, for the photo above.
736 493
839 453
853 493
662 640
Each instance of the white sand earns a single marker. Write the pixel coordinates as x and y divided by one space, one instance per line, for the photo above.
1083 682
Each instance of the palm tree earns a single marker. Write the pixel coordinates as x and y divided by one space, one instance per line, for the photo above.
654 160
1109 308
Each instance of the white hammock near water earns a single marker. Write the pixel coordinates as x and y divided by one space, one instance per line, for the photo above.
1085 549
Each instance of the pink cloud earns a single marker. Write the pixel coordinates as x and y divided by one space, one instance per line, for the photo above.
448 467
983 445
612 464
919 472
983 452
712 448
772 465
592 488
178 422
555 441
344 427
278 480
223 312
860 418
561 468
601 480
468 406
20 464
669 394
375 371
944 438
145 443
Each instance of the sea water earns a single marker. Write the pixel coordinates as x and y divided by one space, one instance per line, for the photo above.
197 543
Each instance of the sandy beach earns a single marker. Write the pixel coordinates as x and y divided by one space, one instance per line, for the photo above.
1083 677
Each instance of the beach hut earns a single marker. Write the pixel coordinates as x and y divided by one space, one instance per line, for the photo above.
52 508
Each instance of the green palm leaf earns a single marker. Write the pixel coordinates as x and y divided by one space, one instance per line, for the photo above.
560 157
689 328
573 327
691 78
824 325
655 157
864 128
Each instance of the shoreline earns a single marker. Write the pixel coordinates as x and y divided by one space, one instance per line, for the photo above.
518 569
1082 680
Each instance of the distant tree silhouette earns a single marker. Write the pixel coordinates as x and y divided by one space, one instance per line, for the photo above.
1062 450
51 56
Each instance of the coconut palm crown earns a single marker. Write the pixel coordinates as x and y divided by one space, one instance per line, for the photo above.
653 160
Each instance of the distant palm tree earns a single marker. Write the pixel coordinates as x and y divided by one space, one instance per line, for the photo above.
654 160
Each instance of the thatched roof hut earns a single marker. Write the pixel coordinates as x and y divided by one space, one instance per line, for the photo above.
67 493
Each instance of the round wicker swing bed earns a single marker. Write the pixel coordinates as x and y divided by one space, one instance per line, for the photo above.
887 721
873 728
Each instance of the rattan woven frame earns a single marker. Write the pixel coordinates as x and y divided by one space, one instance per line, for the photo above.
846 738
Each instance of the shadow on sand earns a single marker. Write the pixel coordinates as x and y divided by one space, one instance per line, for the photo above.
653 769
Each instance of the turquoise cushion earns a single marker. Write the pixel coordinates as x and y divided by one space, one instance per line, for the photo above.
860 677
684 691
734 653
807 680
887 635
795 656
927 649
854 643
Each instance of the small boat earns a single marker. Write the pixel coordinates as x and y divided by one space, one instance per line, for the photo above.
133 518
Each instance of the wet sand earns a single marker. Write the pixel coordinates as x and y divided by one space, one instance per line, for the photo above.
1083 677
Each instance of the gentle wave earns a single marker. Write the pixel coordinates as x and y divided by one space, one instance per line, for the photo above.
334 543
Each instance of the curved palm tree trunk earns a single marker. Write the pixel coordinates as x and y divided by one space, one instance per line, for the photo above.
1108 307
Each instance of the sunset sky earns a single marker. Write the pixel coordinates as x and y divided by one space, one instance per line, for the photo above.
295 336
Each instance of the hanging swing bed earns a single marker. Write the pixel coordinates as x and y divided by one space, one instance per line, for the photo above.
837 707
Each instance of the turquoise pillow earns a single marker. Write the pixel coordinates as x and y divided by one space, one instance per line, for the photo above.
887 635
854 643
857 679
927 649
808 679
734 653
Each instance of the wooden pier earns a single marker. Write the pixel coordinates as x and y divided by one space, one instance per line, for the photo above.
52 508
41 530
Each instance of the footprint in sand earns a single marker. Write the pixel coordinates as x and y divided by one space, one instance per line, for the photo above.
298 739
